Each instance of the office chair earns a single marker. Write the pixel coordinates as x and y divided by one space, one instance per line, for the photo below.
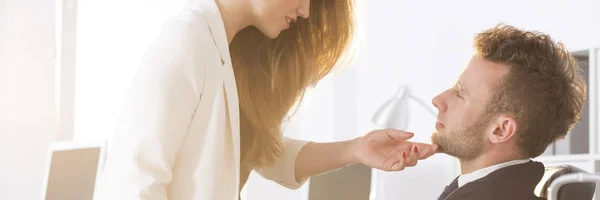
72 169
569 191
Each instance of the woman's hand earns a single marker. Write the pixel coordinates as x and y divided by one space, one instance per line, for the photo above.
389 150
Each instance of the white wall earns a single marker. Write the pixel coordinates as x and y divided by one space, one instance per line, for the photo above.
112 37
425 44
27 121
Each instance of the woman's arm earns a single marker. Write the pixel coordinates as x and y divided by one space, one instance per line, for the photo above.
383 149
318 158
302 159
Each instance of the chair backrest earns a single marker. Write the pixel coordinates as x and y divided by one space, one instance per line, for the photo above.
72 169
579 191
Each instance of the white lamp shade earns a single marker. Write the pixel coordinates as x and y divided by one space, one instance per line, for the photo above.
393 114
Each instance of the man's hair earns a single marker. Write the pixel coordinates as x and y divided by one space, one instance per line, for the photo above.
543 90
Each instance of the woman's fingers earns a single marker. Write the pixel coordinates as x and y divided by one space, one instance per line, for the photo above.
414 157
424 150
400 163
412 153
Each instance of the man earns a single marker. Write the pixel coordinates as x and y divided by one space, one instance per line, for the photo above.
519 93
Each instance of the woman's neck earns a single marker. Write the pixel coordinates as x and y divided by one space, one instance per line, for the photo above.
236 16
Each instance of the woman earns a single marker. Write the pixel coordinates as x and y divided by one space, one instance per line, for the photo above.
191 128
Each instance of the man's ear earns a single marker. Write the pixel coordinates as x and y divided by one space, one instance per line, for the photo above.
505 127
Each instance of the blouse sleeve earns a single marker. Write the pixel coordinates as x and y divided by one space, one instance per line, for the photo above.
282 171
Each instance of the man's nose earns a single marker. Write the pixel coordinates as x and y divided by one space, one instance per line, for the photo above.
437 101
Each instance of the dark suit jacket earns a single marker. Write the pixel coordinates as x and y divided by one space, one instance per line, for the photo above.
516 182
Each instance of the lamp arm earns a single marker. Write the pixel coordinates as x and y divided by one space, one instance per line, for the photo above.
424 105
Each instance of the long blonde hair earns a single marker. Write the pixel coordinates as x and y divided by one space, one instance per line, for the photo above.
272 75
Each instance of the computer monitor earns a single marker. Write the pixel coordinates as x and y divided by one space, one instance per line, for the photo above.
72 170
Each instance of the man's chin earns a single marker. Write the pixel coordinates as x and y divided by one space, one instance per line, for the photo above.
436 138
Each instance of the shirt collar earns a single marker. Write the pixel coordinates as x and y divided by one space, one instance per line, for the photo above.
212 15
467 178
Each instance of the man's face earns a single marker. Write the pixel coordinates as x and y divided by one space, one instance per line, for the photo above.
462 119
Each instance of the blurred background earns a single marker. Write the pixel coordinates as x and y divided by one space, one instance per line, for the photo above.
65 66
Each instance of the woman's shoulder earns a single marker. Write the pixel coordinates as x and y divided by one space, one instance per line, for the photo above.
186 37
181 49
188 27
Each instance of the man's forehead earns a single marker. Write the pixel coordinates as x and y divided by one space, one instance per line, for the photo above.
481 74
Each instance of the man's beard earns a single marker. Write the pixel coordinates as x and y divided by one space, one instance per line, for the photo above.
466 144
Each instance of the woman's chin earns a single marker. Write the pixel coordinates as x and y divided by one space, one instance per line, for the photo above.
272 33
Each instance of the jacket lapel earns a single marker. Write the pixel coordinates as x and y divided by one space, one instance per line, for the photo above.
448 190
212 15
